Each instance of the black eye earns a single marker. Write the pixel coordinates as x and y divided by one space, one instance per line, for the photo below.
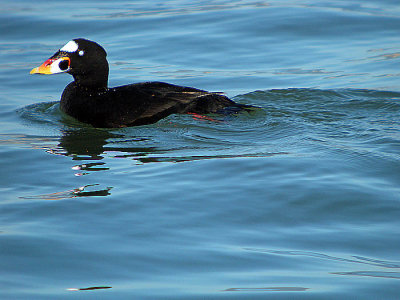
63 65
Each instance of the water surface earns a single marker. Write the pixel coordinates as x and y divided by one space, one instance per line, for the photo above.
298 199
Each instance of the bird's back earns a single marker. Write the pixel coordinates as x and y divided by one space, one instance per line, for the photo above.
138 104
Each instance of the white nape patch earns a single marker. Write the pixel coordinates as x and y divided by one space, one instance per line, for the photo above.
54 68
71 46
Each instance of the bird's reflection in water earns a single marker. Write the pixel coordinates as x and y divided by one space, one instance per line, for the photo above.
84 144
90 147
90 144
89 190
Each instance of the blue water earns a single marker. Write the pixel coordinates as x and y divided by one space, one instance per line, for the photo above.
299 199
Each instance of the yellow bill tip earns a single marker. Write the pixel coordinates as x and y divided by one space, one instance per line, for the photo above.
34 71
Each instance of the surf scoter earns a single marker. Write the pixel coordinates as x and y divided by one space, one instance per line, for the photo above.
89 100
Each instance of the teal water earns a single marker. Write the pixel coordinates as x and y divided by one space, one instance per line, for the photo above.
296 200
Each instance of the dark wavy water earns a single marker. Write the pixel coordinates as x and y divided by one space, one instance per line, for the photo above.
298 199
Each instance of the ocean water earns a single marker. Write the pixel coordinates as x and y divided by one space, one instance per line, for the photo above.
299 199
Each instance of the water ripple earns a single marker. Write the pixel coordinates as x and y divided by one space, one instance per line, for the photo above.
357 260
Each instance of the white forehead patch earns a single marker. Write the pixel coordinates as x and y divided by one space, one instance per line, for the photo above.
71 46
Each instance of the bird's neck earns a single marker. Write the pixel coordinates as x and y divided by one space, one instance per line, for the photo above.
91 83
94 79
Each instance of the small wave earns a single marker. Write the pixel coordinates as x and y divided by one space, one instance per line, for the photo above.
269 289
137 11
322 256
47 114
44 112
389 275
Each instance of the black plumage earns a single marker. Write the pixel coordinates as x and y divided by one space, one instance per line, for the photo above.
89 100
